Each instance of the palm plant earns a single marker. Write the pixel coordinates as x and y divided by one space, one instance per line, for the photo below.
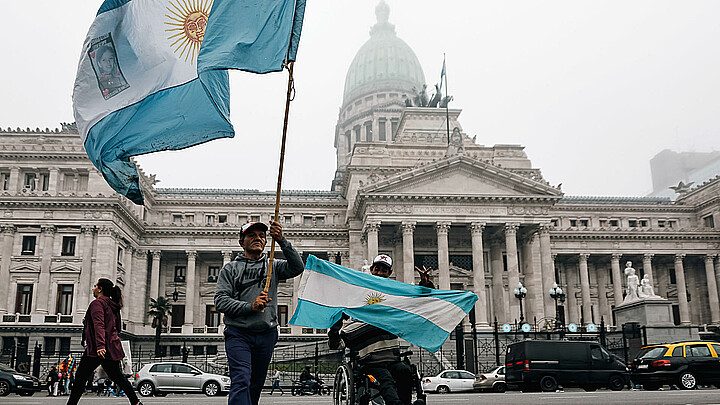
159 310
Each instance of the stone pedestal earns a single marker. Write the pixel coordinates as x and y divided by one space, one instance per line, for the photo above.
654 312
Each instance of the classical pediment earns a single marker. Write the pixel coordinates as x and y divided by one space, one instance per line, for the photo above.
25 267
65 268
461 176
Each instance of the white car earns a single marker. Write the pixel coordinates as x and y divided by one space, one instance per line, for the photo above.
449 381
161 378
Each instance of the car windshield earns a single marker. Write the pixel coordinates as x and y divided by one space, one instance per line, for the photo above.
652 352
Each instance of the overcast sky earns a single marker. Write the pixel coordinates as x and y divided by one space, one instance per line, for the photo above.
592 89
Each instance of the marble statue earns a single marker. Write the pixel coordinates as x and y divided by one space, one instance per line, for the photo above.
646 288
366 267
455 145
633 282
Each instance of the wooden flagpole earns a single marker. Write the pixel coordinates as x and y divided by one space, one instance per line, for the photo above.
280 171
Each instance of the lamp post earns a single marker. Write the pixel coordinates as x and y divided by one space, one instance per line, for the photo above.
521 293
557 293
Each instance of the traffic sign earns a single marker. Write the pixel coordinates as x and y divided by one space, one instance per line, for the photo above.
572 327
591 327
526 327
506 328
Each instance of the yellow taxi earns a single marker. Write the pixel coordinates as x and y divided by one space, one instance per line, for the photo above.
685 364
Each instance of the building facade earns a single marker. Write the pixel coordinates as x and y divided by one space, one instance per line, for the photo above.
482 216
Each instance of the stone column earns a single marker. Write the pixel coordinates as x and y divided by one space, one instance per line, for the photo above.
155 274
481 318
53 182
372 229
647 267
500 303
43 289
617 278
227 256
408 229
86 282
512 268
547 268
534 281
139 286
344 259
682 290
604 307
190 291
712 289
5 293
572 305
14 180
585 288
129 268
106 262
442 229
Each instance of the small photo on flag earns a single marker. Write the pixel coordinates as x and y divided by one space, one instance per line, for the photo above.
104 60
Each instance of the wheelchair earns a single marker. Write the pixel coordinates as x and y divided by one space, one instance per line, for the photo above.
351 387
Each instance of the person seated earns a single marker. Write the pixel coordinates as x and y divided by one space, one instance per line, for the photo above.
308 380
378 350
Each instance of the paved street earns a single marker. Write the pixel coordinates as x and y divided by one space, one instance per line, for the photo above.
569 397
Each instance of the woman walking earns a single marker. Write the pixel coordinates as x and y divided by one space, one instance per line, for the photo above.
101 341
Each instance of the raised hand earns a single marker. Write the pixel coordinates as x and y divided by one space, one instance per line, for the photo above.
425 276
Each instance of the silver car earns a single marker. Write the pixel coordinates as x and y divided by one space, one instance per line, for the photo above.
492 380
162 378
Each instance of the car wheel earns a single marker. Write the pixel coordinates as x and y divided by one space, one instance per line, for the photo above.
499 387
26 393
211 388
146 388
548 383
4 388
687 381
616 383
443 389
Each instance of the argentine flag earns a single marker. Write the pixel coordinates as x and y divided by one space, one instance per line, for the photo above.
152 74
422 316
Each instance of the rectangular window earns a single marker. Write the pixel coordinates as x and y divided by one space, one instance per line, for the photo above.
661 224
190 218
643 223
368 131
319 220
603 223
632 223
614 223
254 218
307 220
44 181
358 133
68 246
709 221
30 181
555 222
382 129
222 219
671 272
5 180
348 135
120 256
573 222
8 345
213 272
394 124
49 346
671 224
175 350
64 346
180 272
28 245
210 219
177 218
177 315
198 350
23 299
283 315
584 223
68 182
212 316
288 219
83 182
64 299
211 350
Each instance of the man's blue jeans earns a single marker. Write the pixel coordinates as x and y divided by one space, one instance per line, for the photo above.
248 355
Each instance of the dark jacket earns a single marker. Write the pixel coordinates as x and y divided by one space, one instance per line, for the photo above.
100 329
242 280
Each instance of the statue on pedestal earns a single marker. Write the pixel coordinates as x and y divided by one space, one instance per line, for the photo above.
633 282
646 288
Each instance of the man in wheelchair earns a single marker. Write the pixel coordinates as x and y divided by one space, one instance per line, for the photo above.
378 351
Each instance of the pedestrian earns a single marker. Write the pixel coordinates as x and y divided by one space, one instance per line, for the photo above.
251 319
102 343
276 382
53 382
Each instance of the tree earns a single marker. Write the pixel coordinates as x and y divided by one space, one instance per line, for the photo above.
159 310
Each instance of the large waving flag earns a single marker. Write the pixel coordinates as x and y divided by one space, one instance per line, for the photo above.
420 315
151 75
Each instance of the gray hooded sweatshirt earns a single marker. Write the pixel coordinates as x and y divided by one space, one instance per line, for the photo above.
242 280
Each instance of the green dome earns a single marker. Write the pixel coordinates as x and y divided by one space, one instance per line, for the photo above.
385 62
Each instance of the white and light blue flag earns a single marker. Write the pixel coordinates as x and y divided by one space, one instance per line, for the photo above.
152 74
420 315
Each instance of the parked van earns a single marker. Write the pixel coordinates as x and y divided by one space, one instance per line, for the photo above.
546 364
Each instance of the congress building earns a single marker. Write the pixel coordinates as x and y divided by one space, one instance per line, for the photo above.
483 216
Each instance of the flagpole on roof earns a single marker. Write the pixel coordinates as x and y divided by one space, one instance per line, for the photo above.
447 104
290 88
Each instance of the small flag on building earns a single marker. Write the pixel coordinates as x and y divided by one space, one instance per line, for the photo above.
152 74
422 316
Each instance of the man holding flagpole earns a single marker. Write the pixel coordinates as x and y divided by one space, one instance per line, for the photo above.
250 312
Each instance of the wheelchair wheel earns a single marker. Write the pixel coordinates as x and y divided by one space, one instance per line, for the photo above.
343 386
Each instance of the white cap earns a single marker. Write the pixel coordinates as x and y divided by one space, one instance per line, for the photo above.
384 259
249 225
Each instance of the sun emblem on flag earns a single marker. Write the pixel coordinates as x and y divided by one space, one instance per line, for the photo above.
187 22
374 298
